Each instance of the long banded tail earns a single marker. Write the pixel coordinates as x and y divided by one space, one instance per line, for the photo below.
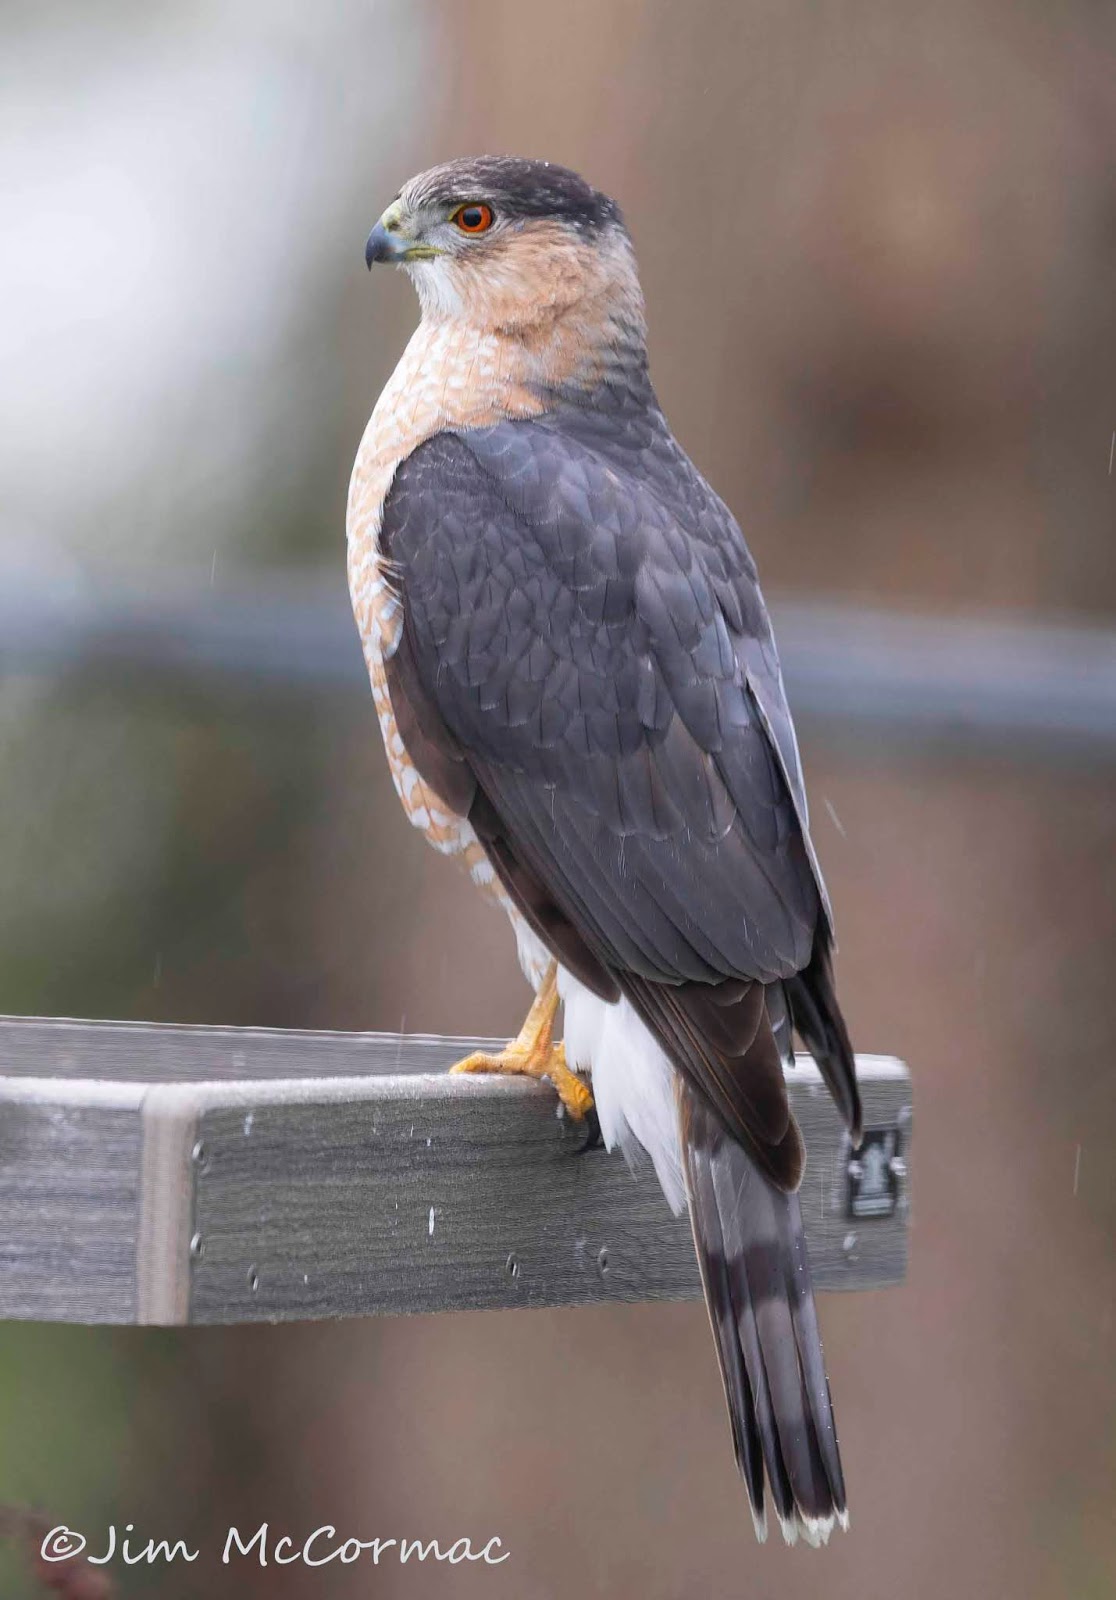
752 1252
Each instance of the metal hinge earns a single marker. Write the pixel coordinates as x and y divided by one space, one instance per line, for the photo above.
876 1174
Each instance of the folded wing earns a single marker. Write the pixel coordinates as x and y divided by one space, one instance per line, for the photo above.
587 664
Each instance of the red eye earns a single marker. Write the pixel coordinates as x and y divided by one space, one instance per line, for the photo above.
473 219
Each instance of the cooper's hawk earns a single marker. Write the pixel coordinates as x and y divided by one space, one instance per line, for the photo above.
579 693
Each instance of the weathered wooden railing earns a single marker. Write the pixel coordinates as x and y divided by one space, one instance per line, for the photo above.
212 1175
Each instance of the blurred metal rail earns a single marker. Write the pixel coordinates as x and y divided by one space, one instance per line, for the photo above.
882 678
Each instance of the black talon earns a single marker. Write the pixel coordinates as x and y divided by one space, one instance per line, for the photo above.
593 1139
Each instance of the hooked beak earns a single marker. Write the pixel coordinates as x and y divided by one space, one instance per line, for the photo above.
385 246
387 241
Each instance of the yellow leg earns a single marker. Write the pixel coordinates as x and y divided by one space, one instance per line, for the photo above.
534 1052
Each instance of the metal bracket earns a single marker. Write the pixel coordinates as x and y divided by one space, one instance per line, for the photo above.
876 1174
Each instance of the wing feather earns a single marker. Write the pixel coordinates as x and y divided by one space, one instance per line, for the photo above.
582 623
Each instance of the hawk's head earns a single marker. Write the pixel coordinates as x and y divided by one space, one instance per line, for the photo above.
508 244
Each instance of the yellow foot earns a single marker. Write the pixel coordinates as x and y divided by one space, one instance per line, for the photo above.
534 1053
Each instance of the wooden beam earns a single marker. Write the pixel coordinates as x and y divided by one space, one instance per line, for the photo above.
213 1175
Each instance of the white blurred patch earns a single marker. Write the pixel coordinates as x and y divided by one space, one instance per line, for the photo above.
184 190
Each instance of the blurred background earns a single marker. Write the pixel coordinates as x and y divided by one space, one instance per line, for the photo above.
879 247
